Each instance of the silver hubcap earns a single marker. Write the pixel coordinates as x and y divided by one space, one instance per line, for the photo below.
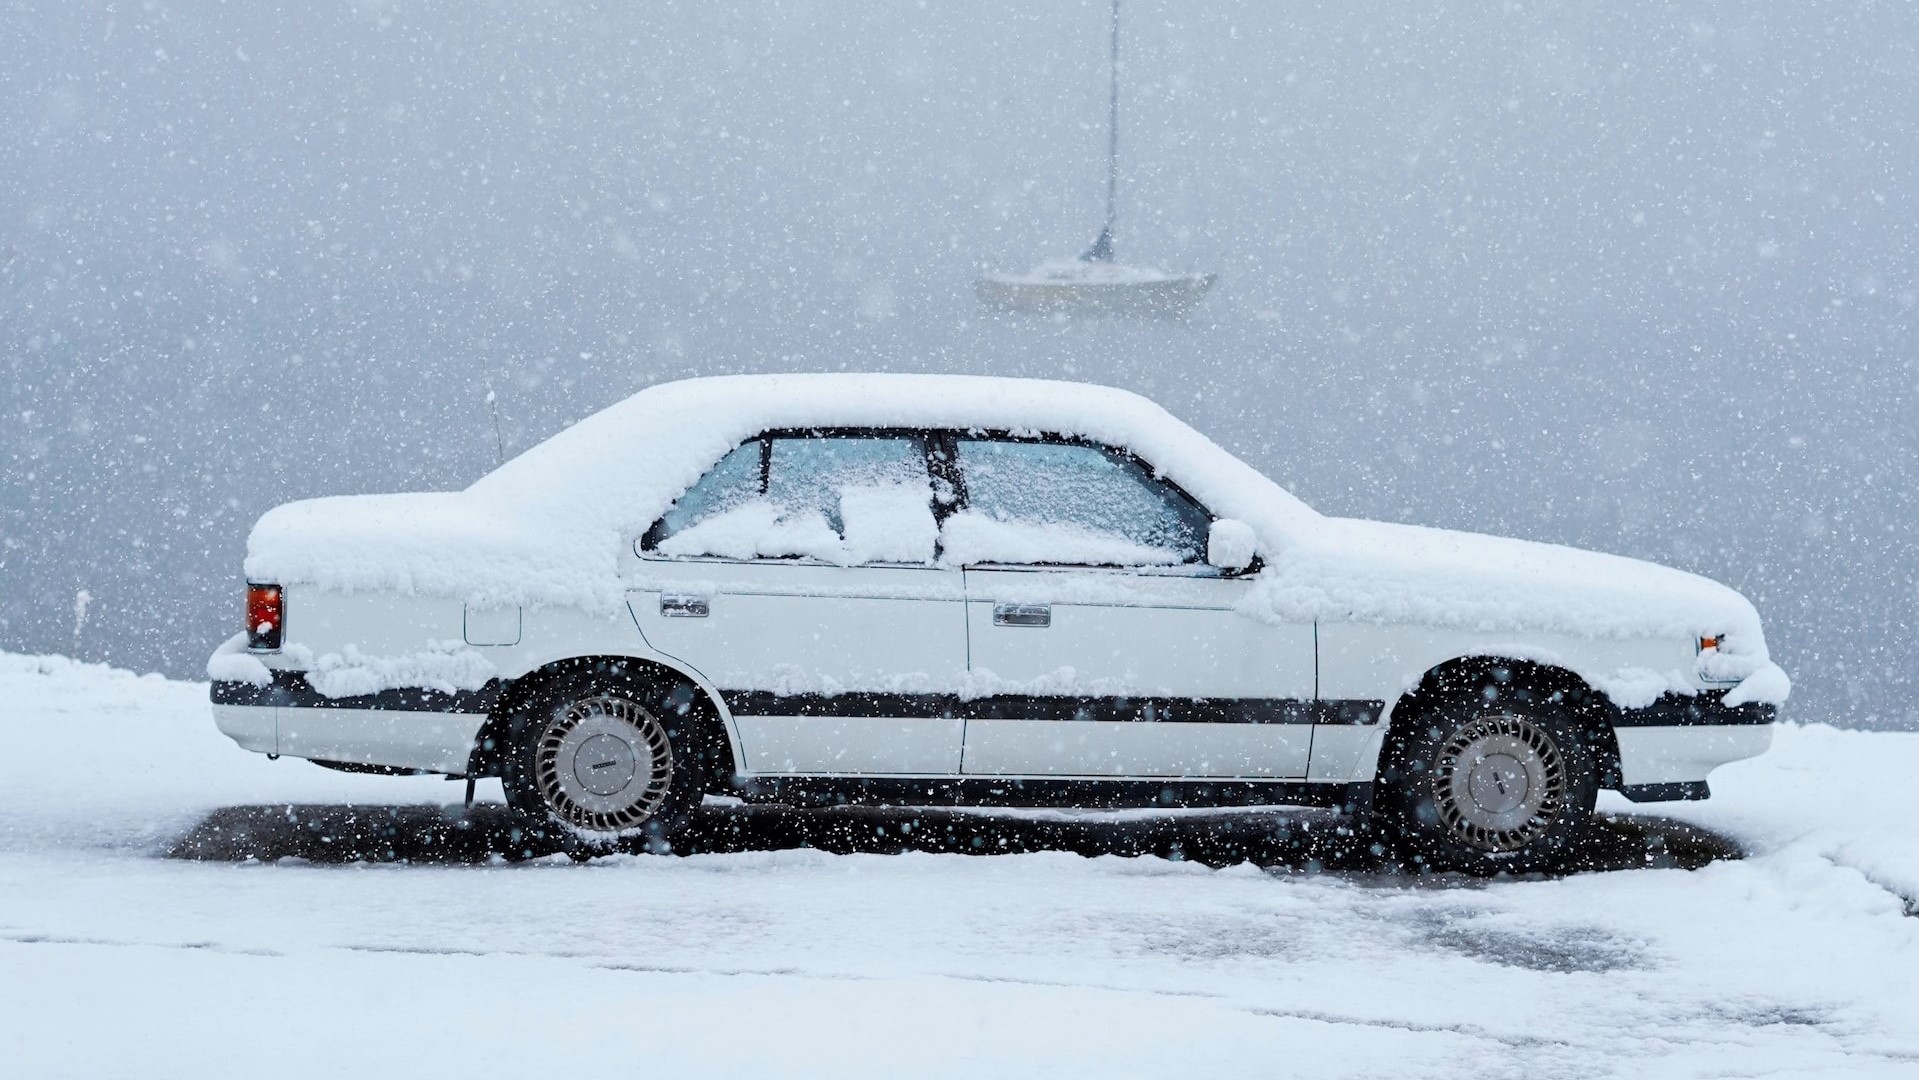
1499 783
604 764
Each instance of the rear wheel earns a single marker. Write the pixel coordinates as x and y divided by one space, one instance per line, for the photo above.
600 760
1503 779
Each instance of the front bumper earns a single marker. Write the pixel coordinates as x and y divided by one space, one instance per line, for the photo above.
1707 708
402 729
1667 748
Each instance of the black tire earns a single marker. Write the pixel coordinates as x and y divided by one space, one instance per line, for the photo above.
601 759
1501 779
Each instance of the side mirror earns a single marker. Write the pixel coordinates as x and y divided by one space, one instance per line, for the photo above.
1231 545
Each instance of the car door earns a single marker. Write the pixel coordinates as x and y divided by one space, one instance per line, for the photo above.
798 577
1109 646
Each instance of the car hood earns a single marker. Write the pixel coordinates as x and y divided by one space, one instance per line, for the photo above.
1350 570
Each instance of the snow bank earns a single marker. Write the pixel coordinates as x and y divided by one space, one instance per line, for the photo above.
1846 798
547 528
1795 961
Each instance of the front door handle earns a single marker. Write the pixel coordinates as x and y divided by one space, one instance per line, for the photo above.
683 605
1022 614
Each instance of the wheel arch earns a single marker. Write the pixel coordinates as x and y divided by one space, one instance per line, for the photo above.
1462 676
722 740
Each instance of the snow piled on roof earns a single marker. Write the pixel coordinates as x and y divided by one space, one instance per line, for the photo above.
548 527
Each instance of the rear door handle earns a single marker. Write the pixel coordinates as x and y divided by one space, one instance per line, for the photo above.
684 606
1022 614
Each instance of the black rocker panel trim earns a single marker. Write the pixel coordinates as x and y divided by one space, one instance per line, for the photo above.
1707 709
290 690
1163 710
1675 791
1094 794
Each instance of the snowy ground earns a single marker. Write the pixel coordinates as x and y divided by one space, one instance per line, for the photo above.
164 912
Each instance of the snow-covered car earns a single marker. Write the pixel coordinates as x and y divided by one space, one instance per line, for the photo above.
924 589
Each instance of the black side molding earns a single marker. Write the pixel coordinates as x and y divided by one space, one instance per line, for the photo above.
290 690
1704 709
990 791
1161 710
1677 791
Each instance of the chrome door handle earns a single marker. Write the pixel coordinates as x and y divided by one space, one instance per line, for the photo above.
1022 614
683 606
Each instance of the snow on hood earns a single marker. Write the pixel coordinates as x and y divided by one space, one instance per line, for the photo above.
548 527
1368 571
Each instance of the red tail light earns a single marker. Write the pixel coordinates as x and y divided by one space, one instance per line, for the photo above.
266 614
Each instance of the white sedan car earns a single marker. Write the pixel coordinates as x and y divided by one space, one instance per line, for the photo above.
953 590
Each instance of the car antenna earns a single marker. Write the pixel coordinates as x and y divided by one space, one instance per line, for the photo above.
1097 283
499 442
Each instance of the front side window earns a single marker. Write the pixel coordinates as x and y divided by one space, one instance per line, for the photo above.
735 480
843 499
1068 503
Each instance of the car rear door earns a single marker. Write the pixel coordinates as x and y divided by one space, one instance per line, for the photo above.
1101 644
798 577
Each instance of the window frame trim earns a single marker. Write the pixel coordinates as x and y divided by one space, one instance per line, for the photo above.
1049 438
647 546
939 449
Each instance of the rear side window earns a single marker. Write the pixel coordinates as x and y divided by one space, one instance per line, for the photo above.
1070 504
811 476
839 498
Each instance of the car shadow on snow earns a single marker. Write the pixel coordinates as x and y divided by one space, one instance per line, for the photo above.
1282 839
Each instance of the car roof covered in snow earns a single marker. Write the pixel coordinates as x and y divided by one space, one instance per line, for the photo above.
549 525
651 447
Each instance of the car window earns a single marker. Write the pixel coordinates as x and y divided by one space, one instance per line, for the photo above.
735 480
809 474
836 498
1068 503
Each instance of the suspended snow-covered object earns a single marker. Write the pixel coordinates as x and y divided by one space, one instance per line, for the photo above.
1096 283
1082 287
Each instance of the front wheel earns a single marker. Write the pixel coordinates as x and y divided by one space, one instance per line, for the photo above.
1503 782
598 761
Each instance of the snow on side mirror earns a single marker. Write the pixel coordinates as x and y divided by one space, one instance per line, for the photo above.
1230 544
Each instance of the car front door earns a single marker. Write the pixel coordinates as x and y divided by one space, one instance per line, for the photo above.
1101 643
798 577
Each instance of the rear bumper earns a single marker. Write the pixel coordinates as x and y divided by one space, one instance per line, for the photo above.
1667 748
252 726
402 729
